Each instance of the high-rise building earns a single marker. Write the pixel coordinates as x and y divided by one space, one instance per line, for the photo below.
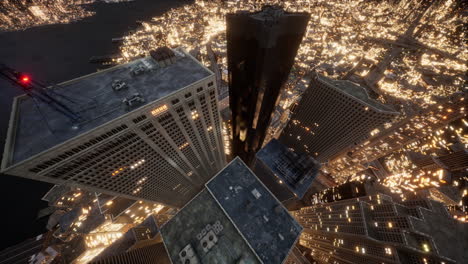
25 251
297 257
151 254
139 245
417 128
235 219
87 226
261 48
343 191
456 161
149 129
332 116
376 229
287 174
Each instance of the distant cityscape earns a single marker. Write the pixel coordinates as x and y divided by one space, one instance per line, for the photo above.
23 14
250 131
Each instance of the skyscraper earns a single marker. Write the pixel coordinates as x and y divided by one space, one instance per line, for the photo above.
25 251
235 219
151 254
149 129
287 174
86 226
261 48
332 116
376 229
402 133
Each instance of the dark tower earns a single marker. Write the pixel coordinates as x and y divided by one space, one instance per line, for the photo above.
261 47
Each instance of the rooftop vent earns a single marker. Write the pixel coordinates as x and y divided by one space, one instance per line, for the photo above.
133 100
209 241
118 85
187 255
138 70
164 56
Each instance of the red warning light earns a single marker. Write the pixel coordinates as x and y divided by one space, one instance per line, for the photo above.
25 79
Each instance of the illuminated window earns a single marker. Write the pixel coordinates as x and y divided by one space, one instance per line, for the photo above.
426 247
159 110
119 170
136 164
195 114
183 145
388 251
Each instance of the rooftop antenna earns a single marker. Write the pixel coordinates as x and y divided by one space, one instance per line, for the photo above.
40 93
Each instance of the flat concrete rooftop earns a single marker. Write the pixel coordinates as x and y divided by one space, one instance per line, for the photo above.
273 152
252 218
183 228
264 222
357 92
95 101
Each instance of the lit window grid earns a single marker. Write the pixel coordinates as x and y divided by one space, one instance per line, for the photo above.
93 167
328 242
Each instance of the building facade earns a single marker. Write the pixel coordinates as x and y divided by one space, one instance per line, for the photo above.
26 251
261 48
152 254
150 130
333 116
413 129
376 229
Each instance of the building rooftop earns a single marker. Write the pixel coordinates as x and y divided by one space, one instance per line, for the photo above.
55 193
264 222
296 171
255 226
357 92
183 228
96 101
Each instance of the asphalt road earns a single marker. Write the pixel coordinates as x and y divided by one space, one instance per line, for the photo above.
56 53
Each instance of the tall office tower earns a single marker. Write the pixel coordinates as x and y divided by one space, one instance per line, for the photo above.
261 47
149 129
297 257
348 190
25 251
456 161
151 254
86 226
333 116
140 244
419 128
287 174
376 229
235 219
